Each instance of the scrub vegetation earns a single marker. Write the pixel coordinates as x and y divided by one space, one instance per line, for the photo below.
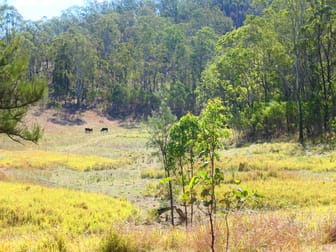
169 125
295 210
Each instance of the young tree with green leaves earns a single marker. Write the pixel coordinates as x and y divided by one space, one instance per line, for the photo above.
159 126
182 149
17 92
192 128
213 131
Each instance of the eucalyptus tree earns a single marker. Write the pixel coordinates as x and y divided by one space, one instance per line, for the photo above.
127 5
210 17
237 75
147 75
37 42
105 35
177 69
274 64
75 66
168 9
104 28
236 9
100 7
11 22
296 10
85 63
321 68
203 45
63 70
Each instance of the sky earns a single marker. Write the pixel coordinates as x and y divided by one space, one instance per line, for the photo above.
36 9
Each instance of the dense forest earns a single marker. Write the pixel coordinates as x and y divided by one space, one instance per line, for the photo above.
272 62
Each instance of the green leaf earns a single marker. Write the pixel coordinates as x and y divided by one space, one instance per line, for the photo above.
203 175
237 181
185 197
242 192
205 164
257 195
219 175
165 180
194 181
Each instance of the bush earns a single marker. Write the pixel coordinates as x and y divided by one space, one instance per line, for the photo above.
116 243
262 121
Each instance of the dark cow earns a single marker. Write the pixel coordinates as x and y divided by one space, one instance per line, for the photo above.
104 130
88 130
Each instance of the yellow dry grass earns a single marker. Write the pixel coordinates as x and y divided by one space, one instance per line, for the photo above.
294 214
43 159
35 218
279 156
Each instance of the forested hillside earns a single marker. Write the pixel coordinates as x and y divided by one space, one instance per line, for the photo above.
271 62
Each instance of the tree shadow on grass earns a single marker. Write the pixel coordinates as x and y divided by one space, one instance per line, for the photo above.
66 119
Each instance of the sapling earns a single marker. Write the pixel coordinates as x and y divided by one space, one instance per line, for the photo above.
159 127
213 131
234 200
181 147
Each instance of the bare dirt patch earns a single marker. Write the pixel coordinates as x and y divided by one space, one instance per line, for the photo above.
53 121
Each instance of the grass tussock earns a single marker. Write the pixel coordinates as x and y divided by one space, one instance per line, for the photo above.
152 174
331 233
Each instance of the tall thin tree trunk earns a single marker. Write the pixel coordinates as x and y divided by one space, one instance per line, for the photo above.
300 115
191 189
212 229
213 201
170 188
296 25
183 191
227 232
324 84
171 200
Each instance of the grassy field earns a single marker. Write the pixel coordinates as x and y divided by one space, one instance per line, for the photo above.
90 192
36 218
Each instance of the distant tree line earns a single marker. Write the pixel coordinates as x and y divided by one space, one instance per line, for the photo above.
271 62
120 55
276 73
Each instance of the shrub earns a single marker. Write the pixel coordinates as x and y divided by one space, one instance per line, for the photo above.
116 243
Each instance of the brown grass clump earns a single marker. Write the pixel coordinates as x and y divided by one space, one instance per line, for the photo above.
249 231
331 233
266 232
2 176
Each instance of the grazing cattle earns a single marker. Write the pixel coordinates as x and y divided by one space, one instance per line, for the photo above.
88 130
104 130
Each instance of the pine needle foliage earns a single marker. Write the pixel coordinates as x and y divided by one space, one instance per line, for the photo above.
18 90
